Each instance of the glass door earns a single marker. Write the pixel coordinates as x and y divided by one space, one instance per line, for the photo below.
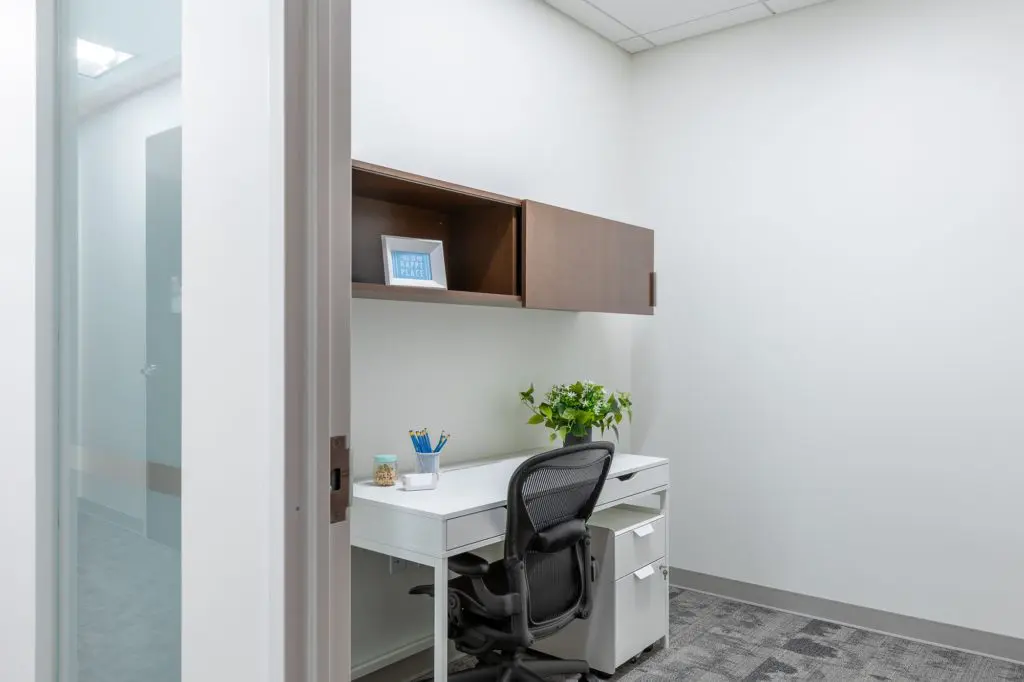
120 341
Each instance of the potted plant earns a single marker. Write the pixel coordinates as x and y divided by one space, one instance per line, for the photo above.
572 411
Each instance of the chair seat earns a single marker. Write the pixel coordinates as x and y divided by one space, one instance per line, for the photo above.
496 580
467 613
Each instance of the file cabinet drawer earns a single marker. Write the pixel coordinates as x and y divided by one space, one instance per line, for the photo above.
641 600
639 547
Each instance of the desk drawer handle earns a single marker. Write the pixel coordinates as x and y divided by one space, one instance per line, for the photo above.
644 573
625 477
644 531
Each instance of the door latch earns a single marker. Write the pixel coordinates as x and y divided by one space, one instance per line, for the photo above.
339 479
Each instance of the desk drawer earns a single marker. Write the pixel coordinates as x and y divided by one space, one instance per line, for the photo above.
641 599
637 548
466 530
633 484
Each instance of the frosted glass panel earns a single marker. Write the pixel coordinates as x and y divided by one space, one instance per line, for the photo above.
122 308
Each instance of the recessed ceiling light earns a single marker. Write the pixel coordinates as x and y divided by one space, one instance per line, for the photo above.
95 60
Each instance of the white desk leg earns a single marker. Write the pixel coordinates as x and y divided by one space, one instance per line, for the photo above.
441 620
668 587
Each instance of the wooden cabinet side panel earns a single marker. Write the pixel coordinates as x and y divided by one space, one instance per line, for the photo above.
575 261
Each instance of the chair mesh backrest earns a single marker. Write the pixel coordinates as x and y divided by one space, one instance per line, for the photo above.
555 584
547 490
555 493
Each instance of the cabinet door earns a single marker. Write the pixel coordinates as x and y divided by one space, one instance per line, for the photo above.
575 261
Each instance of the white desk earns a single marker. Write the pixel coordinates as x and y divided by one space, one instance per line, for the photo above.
467 511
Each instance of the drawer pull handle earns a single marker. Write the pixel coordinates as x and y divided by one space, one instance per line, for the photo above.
625 477
644 573
644 531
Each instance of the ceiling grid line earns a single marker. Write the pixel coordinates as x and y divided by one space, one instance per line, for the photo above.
616 20
724 12
638 25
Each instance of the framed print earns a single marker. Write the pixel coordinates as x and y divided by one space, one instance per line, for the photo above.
412 262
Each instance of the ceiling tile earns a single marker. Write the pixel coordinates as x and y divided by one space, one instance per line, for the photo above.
636 44
593 18
709 24
786 5
645 16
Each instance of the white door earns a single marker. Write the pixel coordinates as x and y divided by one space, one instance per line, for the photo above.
203 267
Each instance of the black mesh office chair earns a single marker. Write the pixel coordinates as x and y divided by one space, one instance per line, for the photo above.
496 611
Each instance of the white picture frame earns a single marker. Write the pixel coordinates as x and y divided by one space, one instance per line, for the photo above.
410 262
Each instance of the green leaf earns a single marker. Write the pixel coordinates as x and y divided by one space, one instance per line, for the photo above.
616 430
618 418
552 436
545 410
536 419
568 414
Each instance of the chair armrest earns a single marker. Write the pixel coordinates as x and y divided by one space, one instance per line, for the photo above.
557 538
468 564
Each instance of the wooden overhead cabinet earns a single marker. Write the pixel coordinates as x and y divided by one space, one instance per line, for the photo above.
575 261
499 251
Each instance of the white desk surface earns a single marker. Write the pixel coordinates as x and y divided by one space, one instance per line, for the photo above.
473 488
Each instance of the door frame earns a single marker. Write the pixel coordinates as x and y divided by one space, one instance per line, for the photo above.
318 289
28 512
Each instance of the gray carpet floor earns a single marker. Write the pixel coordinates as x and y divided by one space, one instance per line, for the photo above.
717 640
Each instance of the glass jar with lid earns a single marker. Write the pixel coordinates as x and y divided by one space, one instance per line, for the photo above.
385 469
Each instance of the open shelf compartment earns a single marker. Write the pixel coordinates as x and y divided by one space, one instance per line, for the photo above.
480 232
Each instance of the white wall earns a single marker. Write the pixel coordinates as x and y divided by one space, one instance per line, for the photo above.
112 294
837 355
21 574
512 97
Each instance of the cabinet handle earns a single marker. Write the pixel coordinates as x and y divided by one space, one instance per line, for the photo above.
644 573
654 290
644 531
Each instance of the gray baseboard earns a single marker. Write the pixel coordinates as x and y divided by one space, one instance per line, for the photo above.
952 636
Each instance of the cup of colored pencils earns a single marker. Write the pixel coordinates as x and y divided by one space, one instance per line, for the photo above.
428 455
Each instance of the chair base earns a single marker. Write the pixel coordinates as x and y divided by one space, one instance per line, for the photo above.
518 668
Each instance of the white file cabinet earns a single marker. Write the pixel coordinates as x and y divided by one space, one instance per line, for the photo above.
631 594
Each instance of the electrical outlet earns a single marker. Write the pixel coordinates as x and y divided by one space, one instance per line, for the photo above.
396 565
